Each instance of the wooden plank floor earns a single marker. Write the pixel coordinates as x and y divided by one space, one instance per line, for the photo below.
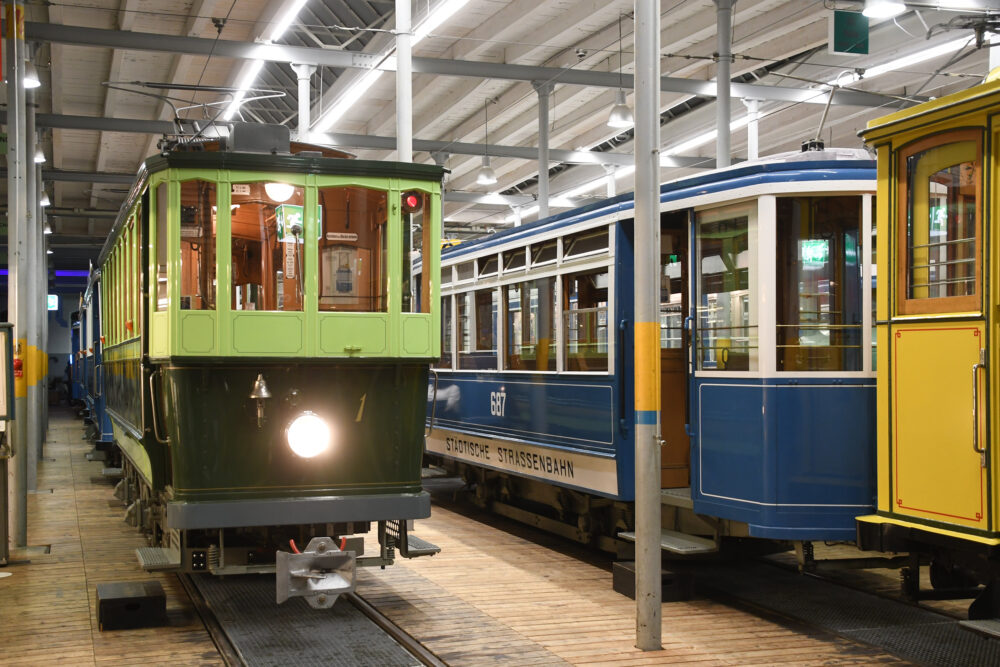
492 597
47 612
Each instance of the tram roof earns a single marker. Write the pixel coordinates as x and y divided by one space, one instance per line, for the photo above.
825 165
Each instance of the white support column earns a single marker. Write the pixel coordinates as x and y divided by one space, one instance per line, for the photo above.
404 83
611 186
516 210
32 288
17 267
723 30
544 89
753 111
648 596
303 74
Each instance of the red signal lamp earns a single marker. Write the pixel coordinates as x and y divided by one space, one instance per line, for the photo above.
412 201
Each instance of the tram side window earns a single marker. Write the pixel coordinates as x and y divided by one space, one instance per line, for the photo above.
197 266
162 289
585 310
818 268
267 246
353 250
445 361
477 330
530 313
942 199
416 207
726 295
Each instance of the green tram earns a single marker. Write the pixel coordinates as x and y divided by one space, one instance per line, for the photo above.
266 357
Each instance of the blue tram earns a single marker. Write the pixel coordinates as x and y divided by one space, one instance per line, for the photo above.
91 366
767 359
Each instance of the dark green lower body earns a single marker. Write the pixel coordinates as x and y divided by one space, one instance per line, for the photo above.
227 469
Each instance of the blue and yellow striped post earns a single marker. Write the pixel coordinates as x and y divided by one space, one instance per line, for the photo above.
647 328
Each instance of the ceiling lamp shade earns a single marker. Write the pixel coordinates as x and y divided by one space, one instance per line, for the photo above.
39 156
486 175
48 229
45 201
883 9
31 79
620 116
279 192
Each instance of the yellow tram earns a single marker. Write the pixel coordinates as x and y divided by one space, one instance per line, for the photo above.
937 317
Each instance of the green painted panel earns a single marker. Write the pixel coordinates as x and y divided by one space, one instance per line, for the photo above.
197 333
416 335
134 450
268 333
159 325
354 334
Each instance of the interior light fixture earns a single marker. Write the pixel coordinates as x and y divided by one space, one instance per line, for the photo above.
279 192
45 201
48 229
486 175
441 13
620 116
49 251
883 9
31 79
39 156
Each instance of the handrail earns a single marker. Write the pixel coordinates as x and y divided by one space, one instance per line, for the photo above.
975 407
430 427
152 407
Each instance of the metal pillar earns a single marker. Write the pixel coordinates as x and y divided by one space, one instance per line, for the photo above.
404 83
17 267
516 210
544 90
303 73
647 326
724 27
753 111
43 350
32 289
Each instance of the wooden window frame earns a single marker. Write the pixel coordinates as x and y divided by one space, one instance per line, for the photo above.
945 304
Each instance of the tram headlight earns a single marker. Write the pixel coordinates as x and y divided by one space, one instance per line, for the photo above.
308 435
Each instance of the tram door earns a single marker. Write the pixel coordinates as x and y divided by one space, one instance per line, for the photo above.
938 335
675 453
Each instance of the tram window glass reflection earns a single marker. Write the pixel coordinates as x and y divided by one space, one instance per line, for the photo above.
585 309
942 186
487 266
586 243
726 296
197 265
818 271
530 313
477 330
162 289
466 271
445 361
514 259
267 246
352 249
543 253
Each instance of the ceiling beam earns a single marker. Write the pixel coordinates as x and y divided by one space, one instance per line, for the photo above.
140 41
71 176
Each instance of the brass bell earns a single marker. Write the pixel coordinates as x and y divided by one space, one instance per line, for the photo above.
260 389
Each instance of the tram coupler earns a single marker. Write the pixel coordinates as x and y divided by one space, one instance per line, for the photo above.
320 573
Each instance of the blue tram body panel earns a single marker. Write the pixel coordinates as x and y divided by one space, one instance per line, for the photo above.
791 458
790 455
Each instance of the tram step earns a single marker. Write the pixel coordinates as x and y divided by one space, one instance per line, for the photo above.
153 559
679 543
112 472
990 628
96 455
418 547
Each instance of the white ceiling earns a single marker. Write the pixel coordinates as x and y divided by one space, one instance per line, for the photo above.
771 38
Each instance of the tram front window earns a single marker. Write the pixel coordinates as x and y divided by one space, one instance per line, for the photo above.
352 250
818 271
726 289
267 246
942 204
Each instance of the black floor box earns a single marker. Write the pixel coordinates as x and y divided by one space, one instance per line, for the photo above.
131 604
674 586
